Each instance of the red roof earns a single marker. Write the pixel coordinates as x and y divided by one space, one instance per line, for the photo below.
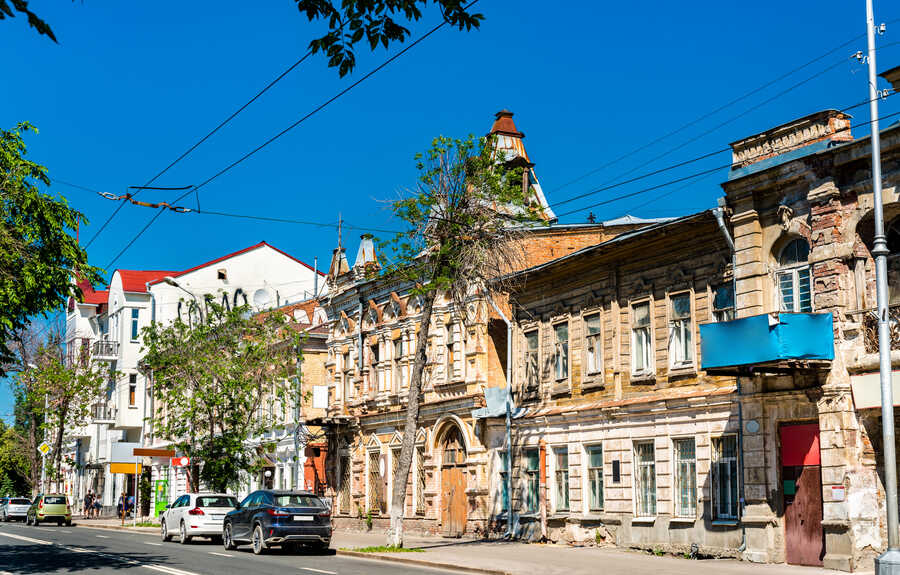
231 255
135 281
504 124
92 296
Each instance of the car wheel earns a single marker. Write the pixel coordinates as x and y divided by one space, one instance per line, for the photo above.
164 531
259 541
185 538
217 539
320 547
227 539
68 523
59 523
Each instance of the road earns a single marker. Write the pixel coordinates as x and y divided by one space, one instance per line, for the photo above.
82 549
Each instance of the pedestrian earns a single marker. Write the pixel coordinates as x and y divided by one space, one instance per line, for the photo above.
88 504
97 507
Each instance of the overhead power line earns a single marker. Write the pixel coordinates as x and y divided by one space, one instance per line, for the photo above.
283 132
203 139
695 175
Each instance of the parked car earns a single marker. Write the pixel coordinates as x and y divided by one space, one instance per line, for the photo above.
14 508
49 507
196 514
287 519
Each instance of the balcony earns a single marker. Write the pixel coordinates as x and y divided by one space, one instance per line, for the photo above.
769 343
103 413
104 349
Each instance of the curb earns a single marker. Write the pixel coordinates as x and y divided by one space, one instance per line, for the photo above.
421 563
126 528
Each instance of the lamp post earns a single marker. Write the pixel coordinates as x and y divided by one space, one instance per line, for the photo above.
172 282
30 365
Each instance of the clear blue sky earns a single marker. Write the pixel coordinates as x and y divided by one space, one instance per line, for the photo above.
132 85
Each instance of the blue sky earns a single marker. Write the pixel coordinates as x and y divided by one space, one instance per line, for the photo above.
132 85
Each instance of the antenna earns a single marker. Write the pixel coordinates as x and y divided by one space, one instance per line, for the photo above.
340 224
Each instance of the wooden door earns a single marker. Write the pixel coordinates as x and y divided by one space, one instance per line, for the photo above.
801 475
454 501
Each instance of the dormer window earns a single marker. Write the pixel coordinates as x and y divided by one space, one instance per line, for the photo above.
792 279
222 274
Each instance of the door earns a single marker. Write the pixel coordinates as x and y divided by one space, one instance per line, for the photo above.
801 475
454 501
241 522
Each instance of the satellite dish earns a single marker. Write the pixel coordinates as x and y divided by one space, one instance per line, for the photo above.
261 298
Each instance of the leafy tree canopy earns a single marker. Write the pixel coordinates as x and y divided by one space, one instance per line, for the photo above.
8 9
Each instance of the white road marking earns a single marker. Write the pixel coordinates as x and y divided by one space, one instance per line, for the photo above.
79 550
64 531
102 536
220 554
319 571
168 570
151 543
26 539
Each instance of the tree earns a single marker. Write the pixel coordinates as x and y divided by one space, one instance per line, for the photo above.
15 466
374 20
210 380
6 11
38 254
464 226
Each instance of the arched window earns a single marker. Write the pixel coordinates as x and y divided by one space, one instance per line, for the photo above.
793 277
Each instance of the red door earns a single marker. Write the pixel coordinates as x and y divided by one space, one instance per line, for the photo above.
801 475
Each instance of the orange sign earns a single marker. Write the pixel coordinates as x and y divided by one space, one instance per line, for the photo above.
125 468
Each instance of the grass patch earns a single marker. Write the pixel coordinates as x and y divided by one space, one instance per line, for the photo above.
142 524
384 549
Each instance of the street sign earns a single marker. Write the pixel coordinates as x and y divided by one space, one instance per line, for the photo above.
150 452
180 461
44 448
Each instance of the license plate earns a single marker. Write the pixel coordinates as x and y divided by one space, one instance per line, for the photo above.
303 517
217 517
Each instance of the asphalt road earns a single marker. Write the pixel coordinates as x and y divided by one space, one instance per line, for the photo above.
82 549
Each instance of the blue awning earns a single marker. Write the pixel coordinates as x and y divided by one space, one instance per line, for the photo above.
496 398
767 339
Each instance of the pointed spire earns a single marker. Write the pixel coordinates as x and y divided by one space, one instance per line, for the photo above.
339 265
366 256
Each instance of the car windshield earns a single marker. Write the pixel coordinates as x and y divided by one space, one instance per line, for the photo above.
216 501
295 500
19 501
54 500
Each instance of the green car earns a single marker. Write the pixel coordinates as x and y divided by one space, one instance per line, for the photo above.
49 507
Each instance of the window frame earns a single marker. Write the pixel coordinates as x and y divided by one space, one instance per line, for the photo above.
396 366
135 324
677 510
560 488
652 508
532 375
132 390
681 326
532 491
733 463
717 312
559 353
650 354
595 368
346 374
590 472
793 272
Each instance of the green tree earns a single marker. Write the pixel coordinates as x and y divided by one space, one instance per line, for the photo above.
15 466
8 9
375 21
465 222
38 254
218 382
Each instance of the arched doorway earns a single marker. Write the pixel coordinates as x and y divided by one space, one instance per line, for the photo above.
454 502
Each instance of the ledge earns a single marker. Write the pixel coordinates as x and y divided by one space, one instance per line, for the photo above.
642 379
643 520
725 523
683 520
758 519
560 388
595 385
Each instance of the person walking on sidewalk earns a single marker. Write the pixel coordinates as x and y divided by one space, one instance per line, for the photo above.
88 504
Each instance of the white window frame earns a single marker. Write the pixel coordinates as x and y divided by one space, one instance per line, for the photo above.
135 324
793 273
649 368
681 352
593 344
678 479
560 352
637 483
555 451
587 487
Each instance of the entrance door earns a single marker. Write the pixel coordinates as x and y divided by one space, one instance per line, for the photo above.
801 475
454 502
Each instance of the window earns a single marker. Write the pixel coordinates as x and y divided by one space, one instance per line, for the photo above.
531 359
348 377
792 278
681 341
396 367
132 389
395 464
561 479
641 349
595 477
504 492
644 479
450 356
561 351
592 344
375 496
420 480
723 302
532 480
685 478
344 498
135 312
725 477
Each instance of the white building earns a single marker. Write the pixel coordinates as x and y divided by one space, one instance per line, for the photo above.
110 322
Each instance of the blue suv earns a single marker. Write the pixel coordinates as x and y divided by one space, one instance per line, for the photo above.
287 519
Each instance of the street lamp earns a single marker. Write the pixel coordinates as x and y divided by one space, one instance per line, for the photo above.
30 365
172 282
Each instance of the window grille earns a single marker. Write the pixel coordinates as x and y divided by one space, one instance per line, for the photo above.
681 341
725 477
645 480
420 479
593 344
685 478
344 493
595 477
376 502
641 348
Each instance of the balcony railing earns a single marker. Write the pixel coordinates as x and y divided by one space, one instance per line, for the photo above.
104 349
102 412
869 327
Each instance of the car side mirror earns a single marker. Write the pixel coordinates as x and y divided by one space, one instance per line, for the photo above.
168 506
237 505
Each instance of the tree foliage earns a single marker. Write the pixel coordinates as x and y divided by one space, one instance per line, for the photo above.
8 9
217 383
38 254
15 465
375 21
464 225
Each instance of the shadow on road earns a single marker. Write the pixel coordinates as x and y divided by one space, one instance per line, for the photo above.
26 559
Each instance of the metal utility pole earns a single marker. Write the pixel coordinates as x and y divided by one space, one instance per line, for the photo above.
297 423
889 561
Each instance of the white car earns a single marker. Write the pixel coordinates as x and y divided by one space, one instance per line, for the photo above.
15 508
196 515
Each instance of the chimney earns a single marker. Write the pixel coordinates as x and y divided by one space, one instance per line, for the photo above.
892 76
821 127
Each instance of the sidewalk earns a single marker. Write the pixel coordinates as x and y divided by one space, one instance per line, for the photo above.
526 558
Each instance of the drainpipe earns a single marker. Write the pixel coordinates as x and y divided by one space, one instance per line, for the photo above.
509 509
316 276
719 213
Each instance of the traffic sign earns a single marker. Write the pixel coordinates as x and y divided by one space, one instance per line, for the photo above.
180 461
44 448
